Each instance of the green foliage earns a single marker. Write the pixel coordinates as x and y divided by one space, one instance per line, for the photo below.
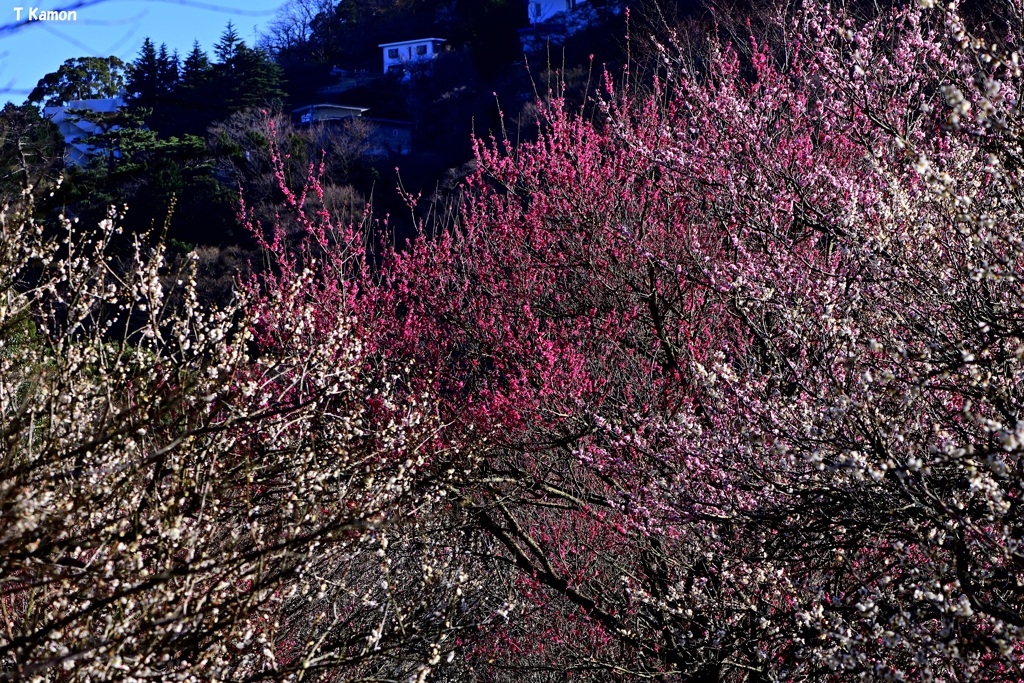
227 47
113 127
180 246
31 149
244 77
206 92
81 78
192 104
163 181
152 77
196 66
16 333
144 76
153 157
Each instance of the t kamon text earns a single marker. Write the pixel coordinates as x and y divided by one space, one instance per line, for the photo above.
37 14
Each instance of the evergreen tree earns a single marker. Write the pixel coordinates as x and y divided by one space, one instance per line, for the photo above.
169 66
152 80
227 47
31 150
195 97
144 86
111 128
243 76
257 79
196 67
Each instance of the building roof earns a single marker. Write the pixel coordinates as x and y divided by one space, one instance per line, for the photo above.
413 42
311 107
104 105
393 122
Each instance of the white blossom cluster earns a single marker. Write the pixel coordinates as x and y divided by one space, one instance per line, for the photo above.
174 509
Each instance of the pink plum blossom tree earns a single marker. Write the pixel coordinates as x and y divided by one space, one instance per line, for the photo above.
739 363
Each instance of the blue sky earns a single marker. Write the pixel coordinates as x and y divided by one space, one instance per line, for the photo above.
112 27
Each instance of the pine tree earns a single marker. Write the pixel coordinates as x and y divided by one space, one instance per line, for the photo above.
144 77
257 78
228 46
196 67
195 96
152 80
168 67
243 76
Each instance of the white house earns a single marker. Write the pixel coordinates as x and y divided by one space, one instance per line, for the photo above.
398 56
74 126
317 113
543 10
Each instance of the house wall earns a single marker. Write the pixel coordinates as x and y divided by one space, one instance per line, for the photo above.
400 55
326 112
543 10
389 137
74 128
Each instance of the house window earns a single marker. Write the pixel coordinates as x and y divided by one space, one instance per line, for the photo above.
421 50
393 53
